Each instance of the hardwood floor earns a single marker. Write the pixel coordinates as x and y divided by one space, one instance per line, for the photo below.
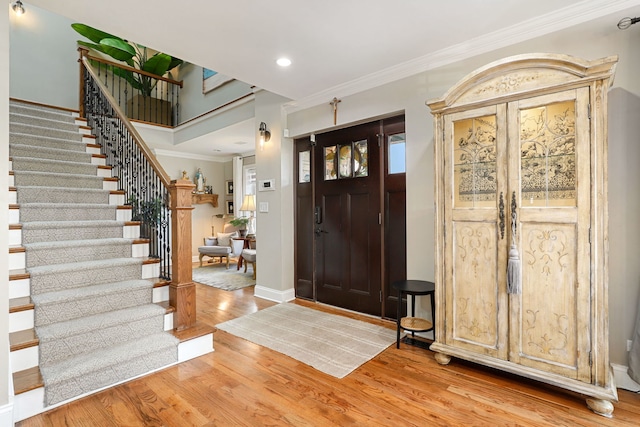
243 384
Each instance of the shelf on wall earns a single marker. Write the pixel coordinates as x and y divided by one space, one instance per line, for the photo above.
200 198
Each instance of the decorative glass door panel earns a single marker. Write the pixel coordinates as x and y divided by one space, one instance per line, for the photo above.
475 245
548 155
474 159
550 317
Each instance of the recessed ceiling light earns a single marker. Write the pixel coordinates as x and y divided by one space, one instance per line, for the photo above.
283 62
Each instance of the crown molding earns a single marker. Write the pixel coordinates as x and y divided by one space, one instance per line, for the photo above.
555 21
190 156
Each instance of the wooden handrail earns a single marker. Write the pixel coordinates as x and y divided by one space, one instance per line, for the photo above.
134 133
84 52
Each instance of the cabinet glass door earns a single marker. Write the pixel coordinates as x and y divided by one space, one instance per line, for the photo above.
475 248
550 177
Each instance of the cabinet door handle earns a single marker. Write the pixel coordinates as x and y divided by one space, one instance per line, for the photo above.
514 274
501 215
514 215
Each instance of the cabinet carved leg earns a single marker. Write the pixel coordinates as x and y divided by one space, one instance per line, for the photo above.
601 407
442 358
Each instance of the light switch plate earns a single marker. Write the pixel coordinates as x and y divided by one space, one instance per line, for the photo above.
264 207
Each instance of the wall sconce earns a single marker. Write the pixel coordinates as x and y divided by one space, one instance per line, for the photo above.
265 135
627 22
18 8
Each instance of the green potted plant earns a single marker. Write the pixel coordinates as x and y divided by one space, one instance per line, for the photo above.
135 56
240 222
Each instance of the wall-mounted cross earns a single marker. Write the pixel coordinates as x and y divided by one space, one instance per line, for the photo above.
334 103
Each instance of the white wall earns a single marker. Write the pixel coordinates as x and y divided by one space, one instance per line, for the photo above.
5 372
44 55
409 95
275 227
194 102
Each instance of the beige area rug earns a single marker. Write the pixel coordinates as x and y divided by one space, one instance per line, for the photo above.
333 344
217 276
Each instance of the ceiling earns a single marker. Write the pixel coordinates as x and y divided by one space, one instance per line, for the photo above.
337 47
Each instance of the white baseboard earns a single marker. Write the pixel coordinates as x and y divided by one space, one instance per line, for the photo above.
6 415
622 378
274 295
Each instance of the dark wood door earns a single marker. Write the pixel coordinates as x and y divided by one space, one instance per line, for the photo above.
348 213
351 217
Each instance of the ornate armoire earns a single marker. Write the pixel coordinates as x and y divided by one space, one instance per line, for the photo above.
521 221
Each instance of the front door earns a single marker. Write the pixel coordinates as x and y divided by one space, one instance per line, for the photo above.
350 216
348 227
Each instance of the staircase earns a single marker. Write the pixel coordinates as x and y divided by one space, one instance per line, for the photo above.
86 308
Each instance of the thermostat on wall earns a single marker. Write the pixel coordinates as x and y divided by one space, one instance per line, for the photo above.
267 185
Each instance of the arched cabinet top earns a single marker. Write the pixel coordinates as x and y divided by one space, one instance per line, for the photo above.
517 76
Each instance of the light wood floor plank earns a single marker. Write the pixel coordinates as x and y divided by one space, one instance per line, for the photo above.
244 384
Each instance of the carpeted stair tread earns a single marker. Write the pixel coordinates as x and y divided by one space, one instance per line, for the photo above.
42 121
73 144
47 179
66 329
24 150
80 266
39 194
48 231
48 253
68 304
72 135
41 111
49 278
90 371
66 212
53 166
78 243
64 339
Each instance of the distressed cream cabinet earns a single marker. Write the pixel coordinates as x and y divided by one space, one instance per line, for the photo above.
521 221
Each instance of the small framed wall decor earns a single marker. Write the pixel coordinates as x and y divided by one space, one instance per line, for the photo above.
229 188
229 207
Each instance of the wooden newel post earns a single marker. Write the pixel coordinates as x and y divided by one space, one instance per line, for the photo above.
182 291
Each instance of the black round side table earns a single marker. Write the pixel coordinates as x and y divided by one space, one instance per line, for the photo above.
414 324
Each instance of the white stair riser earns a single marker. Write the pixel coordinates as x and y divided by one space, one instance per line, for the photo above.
17 261
84 131
140 250
14 216
195 347
105 173
12 180
116 199
19 288
20 321
123 215
24 359
168 322
91 150
151 271
131 231
160 294
80 122
98 161
10 165
13 197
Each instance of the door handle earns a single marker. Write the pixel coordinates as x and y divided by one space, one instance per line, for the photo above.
319 231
